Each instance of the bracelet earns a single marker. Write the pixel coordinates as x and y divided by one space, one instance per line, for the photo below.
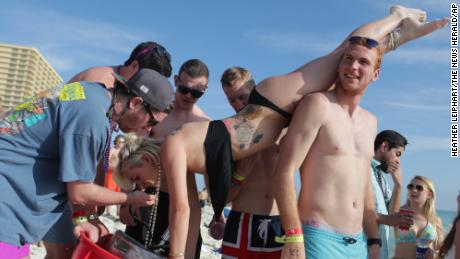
289 239
176 255
294 231
374 241
79 216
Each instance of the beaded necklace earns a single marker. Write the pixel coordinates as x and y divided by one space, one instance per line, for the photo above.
153 212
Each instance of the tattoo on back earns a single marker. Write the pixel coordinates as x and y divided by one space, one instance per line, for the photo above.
246 132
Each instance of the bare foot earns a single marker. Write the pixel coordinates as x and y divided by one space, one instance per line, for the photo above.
411 29
404 12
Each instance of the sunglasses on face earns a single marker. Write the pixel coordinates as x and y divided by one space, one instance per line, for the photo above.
368 42
152 121
419 188
185 90
160 50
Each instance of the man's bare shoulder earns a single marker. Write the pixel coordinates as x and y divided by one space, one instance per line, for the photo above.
369 116
314 106
319 99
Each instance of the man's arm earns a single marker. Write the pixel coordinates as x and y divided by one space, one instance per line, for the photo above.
370 224
310 115
92 194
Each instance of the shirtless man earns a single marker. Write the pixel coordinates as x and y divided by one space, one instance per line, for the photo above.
191 83
331 139
253 221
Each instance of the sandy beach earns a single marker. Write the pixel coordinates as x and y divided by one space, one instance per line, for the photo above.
208 250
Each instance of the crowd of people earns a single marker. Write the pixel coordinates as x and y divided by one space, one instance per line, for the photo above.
56 157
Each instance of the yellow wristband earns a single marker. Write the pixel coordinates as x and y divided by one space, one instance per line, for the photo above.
79 219
289 239
238 177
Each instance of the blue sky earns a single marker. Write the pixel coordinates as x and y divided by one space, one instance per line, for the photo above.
267 37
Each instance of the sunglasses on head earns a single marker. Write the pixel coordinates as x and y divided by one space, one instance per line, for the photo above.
158 48
368 42
416 186
185 90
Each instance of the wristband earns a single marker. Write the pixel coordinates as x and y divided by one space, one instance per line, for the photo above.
374 241
237 179
294 231
79 216
289 239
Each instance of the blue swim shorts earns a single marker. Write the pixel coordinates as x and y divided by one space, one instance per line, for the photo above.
327 244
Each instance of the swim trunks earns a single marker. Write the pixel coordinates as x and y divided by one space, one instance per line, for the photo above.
251 236
219 164
328 244
258 99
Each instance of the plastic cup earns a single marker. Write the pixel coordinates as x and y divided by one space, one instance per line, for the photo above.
405 212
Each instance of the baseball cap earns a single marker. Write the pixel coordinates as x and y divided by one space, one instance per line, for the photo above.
151 86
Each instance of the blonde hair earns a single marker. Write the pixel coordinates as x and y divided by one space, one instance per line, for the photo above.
233 74
131 156
429 210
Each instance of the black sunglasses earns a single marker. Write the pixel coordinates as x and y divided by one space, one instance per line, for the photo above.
368 42
152 121
419 188
185 90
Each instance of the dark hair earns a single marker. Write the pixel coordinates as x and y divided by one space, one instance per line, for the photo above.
393 138
151 55
194 68
449 241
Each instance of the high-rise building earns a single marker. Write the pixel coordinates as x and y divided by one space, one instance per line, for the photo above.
23 73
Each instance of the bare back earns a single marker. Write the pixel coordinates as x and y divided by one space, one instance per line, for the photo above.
175 120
